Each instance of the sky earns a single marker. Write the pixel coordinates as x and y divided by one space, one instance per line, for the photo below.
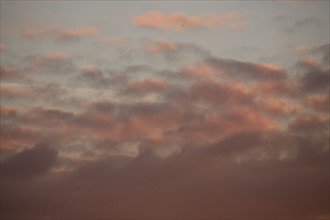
164 109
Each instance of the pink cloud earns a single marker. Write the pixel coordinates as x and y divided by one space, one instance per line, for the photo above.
61 34
160 46
199 70
2 46
148 84
9 73
319 102
17 137
299 49
179 21
8 112
275 105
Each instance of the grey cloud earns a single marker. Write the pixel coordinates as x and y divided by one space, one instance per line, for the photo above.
317 80
30 163
304 23
247 70
53 62
313 78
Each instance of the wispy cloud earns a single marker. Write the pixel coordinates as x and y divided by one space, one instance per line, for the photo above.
179 21
60 34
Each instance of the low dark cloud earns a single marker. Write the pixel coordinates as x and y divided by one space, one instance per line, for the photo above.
148 186
29 163
314 78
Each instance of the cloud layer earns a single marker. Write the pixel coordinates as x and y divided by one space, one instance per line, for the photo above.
162 129
179 21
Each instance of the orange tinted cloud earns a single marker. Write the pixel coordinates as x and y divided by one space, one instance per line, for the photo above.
17 137
160 46
11 91
9 73
61 34
179 21
7 112
148 84
2 46
319 102
299 49
275 105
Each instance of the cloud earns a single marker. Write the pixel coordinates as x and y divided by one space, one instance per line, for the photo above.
175 51
160 46
9 74
54 61
8 112
319 102
314 78
14 91
15 137
194 140
95 77
179 21
294 187
47 116
30 163
2 46
299 49
60 34
300 25
309 123
248 70
152 84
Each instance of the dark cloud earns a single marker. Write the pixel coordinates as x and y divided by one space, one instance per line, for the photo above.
7 112
9 74
198 182
30 163
324 52
311 22
314 78
18 136
309 124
